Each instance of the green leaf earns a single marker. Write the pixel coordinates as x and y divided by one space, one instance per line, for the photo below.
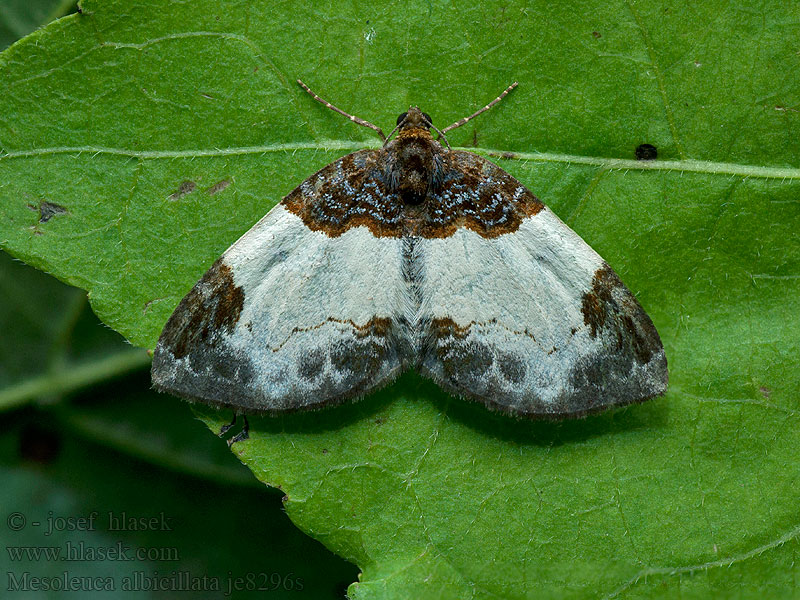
20 17
197 532
55 345
109 114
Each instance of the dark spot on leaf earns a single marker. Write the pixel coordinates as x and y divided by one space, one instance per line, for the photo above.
218 187
596 35
765 391
646 152
187 187
149 303
507 155
380 420
48 210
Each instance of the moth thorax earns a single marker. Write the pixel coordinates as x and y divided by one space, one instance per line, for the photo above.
415 164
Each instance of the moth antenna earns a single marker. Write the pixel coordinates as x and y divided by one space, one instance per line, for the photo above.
441 135
391 133
353 118
461 122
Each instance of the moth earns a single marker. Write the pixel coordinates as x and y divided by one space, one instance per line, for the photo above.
413 255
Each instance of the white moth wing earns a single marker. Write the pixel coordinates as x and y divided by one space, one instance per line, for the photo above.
534 323
288 318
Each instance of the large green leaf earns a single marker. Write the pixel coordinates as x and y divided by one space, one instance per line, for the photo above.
156 133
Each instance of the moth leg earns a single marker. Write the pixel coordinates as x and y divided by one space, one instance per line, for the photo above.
244 434
224 429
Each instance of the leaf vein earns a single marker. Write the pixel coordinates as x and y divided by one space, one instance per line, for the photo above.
744 171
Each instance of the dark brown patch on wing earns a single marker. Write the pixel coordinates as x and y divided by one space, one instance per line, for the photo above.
512 368
211 307
445 326
461 358
609 304
595 301
311 364
376 326
478 195
349 192
412 187
359 359
350 366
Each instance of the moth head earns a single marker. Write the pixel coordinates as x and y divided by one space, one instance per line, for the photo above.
414 118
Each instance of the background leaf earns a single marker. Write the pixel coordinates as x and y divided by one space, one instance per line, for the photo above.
20 17
191 129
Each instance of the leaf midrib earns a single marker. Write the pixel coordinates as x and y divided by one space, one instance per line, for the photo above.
678 166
